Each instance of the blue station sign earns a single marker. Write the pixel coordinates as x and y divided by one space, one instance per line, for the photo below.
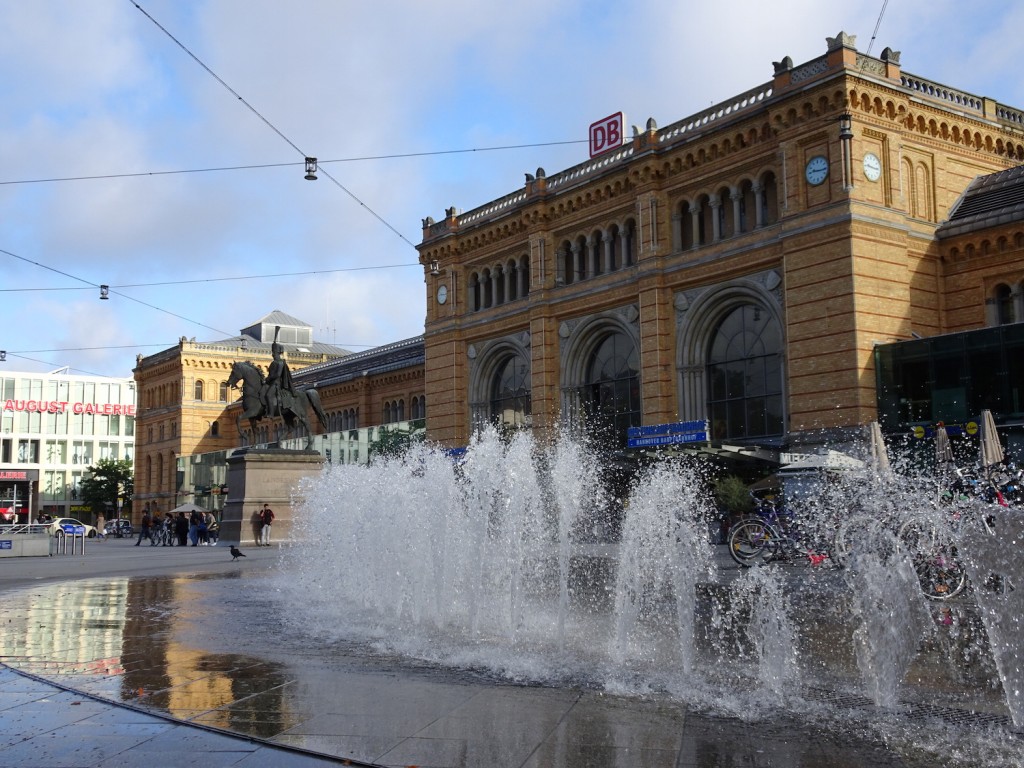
677 433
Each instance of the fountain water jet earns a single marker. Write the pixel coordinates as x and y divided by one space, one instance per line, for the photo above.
500 562
891 615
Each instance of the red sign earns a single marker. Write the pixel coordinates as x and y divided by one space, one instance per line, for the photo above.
607 134
14 474
61 406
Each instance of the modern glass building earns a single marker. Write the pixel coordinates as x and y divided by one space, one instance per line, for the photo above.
950 379
54 426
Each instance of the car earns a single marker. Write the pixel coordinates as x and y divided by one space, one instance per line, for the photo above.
120 527
66 525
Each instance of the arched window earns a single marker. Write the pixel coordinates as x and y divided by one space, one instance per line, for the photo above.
474 293
523 276
510 392
1005 313
745 375
610 395
223 391
387 412
214 429
566 265
769 200
199 389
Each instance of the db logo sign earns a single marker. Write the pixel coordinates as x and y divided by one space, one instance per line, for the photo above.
606 134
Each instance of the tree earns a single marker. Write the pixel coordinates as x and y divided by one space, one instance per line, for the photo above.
394 441
109 479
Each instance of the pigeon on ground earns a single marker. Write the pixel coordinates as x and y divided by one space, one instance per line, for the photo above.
236 552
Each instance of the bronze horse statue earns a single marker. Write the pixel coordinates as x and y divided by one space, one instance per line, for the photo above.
294 404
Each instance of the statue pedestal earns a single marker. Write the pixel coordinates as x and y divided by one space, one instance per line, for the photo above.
258 476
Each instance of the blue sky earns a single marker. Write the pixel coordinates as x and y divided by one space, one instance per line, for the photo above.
96 88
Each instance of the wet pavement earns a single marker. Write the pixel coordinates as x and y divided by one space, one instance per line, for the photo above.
162 656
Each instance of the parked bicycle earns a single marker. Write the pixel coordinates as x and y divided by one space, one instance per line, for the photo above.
931 539
770 535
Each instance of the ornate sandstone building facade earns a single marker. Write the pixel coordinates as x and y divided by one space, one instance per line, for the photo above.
737 267
183 401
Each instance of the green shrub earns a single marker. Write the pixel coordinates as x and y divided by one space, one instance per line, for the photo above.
732 495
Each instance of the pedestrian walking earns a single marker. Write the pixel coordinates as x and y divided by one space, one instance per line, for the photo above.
212 528
145 528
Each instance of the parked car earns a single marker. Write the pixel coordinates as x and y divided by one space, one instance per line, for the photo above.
65 525
120 527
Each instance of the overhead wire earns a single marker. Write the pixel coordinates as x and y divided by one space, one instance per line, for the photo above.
877 25
204 279
118 293
258 166
267 122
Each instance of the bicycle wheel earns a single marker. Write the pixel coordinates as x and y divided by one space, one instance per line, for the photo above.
934 555
749 540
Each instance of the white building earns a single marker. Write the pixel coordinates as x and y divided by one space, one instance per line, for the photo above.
53 426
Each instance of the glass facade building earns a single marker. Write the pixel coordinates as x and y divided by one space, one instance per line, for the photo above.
52 428
951 379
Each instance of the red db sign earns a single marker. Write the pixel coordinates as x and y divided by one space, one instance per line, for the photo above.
606 134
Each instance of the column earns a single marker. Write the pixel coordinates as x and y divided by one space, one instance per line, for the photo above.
716 221
737 197
695 224
677 231
758 188
577 263
608 241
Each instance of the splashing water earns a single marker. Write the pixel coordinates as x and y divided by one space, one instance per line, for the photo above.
890 613
506 561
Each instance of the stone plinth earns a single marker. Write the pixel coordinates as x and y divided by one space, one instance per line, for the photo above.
264 475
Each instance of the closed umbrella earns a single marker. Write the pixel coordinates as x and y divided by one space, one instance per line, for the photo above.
991 448
879 455
943 451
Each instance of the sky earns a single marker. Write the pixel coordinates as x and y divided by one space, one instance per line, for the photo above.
196 117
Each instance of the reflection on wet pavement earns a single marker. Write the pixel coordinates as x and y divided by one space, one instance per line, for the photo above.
174 646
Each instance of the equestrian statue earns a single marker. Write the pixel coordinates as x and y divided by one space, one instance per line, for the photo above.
274 395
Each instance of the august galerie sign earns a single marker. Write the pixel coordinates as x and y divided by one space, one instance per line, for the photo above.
65 406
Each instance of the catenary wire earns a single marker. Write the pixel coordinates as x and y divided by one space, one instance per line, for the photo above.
204 279
118 293
320 163
270 125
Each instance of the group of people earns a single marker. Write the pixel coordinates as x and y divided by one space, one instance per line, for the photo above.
198 527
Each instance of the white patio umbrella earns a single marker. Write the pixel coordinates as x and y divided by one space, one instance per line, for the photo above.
879 455
187 509
991 449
